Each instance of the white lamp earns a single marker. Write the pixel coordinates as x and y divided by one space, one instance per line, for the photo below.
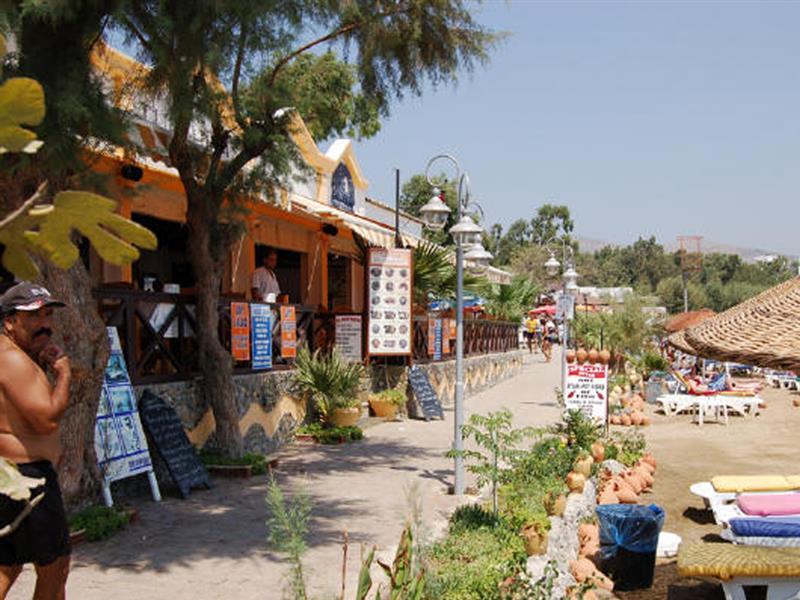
552 265
466 232
479 257
435 212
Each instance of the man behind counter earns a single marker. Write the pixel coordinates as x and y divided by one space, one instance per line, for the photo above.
264 286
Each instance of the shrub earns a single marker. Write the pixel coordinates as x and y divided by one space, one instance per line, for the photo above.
393 395
329 380
472 516
100 522
256 462
331 435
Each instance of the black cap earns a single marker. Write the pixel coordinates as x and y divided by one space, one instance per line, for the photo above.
27 296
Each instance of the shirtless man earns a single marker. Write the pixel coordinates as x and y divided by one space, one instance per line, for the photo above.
30 410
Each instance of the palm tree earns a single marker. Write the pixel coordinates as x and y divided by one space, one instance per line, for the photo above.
509 301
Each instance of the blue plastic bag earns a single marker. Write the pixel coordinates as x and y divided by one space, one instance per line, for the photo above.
630 526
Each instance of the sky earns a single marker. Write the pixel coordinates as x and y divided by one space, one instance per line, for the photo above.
644 118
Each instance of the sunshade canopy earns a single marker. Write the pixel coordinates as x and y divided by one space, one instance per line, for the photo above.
763 331
685 320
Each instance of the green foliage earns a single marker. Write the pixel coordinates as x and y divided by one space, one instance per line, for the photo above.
393 395
329 380
472 516
631 446
100 522
406 578
552 222
417 191
471 563
21 103
648 362
257 462
509 302
328 434
580 431
625 331
670 290
497 441
435 274
550 457
287 527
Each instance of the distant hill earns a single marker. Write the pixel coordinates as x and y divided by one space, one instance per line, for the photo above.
706 246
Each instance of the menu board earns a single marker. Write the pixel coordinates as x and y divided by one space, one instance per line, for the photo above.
348 337
288 332
435 339
240 330
119 440
586 390
389 283
261 330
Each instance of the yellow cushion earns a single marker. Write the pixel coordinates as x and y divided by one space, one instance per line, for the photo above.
794 480
726 561
752 483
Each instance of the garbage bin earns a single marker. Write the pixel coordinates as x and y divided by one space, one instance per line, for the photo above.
654 388
628 542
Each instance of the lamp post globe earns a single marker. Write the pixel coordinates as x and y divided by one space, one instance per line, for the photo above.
552 265
434 212
466 232
479 258
570 276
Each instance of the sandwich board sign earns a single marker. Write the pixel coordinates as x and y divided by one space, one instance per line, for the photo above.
119 440
587 390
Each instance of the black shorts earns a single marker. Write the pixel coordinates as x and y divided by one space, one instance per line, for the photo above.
43 536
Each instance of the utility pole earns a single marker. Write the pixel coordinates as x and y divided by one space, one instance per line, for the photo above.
691 262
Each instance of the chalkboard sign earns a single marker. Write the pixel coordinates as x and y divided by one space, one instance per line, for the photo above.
167 434
424 393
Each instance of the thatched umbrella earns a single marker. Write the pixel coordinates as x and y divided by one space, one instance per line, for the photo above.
677 340
685 320
763 331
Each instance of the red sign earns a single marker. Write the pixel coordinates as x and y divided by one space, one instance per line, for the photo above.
240 330
586 389
288 332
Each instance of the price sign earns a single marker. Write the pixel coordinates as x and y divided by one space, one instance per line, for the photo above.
348 337
240 330
389 281
288 332
587 390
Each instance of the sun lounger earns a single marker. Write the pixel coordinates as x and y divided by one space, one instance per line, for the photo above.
737 566
773 533
720 495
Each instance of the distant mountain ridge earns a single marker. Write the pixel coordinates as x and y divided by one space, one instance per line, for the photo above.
588 244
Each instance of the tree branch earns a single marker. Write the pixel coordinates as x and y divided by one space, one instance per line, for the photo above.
237 73
326 38
137 34
26 206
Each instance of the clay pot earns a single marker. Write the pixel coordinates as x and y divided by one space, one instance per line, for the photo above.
570 356
385 409
626 420
608 496
583 466
616 419
534 539
575 482
604 356
584 570
588 532
625 495
646 465
634 480
645 420
636 418
593 355
650 460
555 505
598 452
796 402
345 417
581 355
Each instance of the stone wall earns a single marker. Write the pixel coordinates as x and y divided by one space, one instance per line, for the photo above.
270 410
480 372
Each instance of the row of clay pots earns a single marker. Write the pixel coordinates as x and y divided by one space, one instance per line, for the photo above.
625 487
593 356
627 419
584 569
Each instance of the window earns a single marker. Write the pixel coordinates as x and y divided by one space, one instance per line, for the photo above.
169 263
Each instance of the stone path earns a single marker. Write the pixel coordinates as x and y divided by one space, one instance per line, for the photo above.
213 544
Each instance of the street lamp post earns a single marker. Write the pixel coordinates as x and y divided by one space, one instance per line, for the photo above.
467 236
569 288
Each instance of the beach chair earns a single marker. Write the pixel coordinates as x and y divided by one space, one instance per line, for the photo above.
774 533
721 492
743 402
778 569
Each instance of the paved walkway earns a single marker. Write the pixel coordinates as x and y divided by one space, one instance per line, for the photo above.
213 544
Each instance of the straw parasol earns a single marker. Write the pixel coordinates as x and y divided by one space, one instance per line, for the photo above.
763 331
677 340
685 320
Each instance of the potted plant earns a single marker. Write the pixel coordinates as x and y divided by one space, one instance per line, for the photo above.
534 534
386 403
555 499
331 383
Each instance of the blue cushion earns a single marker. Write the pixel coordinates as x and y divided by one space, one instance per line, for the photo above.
766 527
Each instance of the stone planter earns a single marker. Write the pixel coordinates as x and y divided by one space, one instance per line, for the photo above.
384 409
534 539
345 417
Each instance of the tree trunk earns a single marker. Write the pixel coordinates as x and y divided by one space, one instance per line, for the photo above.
83 335
207 255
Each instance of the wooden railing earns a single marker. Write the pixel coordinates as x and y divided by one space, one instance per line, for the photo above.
481 336
157 332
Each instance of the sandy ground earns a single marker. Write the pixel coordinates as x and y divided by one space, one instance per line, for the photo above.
213 544
687 453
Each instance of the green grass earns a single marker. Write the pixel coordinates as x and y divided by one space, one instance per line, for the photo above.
331 435
100 522
257 462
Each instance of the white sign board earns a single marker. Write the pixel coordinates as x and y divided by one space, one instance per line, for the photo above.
565 307
587 390
389 280
119 440
348 337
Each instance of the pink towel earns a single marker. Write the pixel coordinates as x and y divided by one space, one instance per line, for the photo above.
768 505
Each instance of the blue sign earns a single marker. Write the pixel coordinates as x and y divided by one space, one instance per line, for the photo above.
343 193
437 348
261 332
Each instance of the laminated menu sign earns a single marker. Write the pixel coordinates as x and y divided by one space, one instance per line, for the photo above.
240 330
119 440
446 336
435 338
288 332
390 281
586 389
261 332
348 337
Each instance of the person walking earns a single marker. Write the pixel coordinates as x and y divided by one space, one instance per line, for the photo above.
530 332
30 412
547 348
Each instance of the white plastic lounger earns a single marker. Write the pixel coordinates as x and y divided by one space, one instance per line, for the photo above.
672 404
